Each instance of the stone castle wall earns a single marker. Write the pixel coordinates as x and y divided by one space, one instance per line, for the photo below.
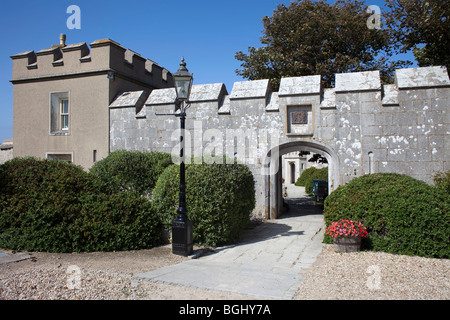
360 125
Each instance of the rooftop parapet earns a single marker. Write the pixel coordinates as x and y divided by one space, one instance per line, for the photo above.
250 89
207 92
308 85
76 59
24 60
162 96
358 81
129 99
299 86
199 93
424 77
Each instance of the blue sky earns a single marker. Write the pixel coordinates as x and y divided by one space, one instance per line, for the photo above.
206 33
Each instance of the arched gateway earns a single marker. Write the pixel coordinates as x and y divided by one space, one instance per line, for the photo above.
273 196
360 126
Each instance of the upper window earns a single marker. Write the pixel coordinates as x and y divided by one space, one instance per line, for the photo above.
60 156
59 113
64 114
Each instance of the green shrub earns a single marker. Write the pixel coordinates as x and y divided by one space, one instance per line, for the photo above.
306 174
219 199
121 221
124 170
403 215
53 206
442 181
310 174
39 200
318 174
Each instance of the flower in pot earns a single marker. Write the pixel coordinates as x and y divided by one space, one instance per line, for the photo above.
347 235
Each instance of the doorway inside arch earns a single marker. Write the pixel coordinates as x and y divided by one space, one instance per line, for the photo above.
287 162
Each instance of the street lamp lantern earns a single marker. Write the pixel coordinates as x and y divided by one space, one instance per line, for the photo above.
182 232
183 82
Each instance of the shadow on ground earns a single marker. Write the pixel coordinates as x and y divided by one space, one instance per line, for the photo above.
299 207
270 229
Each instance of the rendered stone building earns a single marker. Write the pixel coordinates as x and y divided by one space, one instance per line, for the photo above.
62 95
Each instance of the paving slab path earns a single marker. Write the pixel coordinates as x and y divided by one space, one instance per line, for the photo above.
13 257
269 263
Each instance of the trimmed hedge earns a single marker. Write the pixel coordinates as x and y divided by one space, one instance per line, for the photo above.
54 206
306 174
310 174
121 221
219 197
442 181
124 170
402 215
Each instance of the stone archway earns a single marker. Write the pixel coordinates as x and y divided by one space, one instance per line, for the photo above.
273 196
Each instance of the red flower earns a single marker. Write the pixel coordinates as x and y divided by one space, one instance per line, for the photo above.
347 227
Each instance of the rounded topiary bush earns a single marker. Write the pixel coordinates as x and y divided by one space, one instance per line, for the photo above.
306 174
310 174
124 170
39 199
219 199
402 215
319 174
54 206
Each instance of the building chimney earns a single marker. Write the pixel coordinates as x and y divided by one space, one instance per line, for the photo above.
62 40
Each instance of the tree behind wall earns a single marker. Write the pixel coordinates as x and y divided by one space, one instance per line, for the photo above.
316 38
424 27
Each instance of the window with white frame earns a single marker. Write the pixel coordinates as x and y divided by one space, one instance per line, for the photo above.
64 114
59 113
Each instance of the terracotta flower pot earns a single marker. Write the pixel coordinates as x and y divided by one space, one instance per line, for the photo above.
347 244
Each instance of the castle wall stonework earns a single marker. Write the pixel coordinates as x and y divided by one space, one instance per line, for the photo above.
360 125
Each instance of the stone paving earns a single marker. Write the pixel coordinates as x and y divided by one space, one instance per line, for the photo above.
13 257
269 263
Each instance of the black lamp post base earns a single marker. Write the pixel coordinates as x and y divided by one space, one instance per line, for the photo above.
182 242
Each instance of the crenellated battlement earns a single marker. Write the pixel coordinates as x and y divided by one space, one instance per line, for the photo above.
260 90
101 56
361 126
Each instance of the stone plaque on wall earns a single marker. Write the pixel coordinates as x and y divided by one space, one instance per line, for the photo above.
299 117
299 120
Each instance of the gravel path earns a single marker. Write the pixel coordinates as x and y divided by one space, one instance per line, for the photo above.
376 275
95 276
106 276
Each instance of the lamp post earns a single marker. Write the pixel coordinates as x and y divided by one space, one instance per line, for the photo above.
182 236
